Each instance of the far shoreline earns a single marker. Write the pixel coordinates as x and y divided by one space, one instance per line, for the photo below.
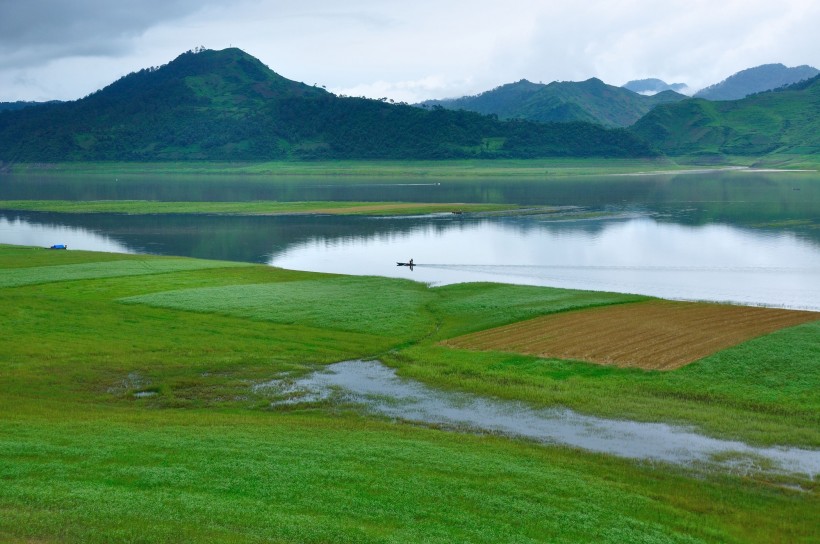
524 168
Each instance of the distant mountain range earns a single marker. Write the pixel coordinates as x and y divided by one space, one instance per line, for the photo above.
227 105
786 120
590 101
594 101
755 80
652 86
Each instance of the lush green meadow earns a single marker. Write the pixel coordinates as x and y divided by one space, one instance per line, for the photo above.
129 414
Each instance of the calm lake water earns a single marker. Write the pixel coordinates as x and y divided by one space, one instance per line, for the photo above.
751 238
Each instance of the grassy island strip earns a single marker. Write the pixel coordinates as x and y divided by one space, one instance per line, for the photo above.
432 169
397 168
128 413
143 207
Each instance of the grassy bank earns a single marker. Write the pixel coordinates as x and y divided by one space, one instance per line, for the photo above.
143 207
128 414
786 161
536 168
433 169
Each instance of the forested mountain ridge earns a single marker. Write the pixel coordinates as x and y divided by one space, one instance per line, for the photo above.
227 105
786 120
590 101
755 80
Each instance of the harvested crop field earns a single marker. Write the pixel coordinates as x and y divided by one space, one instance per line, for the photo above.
658 334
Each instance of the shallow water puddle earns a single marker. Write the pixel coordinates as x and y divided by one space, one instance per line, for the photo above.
379 390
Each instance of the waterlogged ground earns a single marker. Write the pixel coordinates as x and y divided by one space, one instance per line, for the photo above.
379 390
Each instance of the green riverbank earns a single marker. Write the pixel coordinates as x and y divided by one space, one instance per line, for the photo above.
537 168
129 414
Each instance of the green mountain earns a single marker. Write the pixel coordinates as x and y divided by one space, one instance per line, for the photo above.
503 101
755 80
227 105
591 101
783 121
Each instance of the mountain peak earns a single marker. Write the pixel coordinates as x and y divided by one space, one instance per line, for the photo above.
561 101
215 76
198 61
758 79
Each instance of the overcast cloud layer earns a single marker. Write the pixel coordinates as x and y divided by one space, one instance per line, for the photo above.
404 50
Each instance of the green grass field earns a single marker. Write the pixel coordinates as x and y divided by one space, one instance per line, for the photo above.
203 456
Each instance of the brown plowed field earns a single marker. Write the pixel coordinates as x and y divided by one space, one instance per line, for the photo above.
660 335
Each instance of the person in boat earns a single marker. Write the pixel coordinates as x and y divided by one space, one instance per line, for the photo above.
411 262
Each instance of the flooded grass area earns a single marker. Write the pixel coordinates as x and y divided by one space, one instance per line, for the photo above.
379 390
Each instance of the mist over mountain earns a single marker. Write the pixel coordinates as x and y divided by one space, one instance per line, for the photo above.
591 101
754 80
227 105
651 86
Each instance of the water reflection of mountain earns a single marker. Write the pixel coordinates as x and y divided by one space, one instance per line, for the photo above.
773 188
259 239
587 191
775 191
799 218
782 202
248 239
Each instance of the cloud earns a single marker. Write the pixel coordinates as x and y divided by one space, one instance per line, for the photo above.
406 91
698 42
404 50
36 32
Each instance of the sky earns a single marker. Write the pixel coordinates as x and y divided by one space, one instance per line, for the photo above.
404 50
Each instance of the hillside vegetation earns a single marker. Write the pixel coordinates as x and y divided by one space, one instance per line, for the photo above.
785 121
227 105
590 101
755 80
